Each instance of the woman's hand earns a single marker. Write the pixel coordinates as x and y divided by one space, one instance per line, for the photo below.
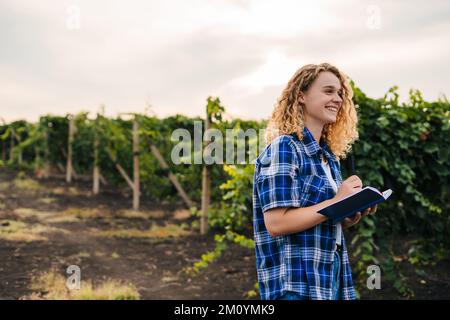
351 221
370 210
348 187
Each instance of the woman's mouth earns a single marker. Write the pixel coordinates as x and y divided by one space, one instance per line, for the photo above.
332 108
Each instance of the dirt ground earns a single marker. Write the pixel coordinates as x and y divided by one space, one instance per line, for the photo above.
66 225
151 264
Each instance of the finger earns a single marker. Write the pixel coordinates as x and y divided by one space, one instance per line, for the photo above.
355 217
356 179
351 221
357 184
353 179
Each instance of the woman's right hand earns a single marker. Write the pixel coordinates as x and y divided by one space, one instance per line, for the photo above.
349 186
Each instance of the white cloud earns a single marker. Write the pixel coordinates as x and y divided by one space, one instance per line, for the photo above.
275 70
173 54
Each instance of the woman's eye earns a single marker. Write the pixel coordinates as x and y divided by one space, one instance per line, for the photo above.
331 92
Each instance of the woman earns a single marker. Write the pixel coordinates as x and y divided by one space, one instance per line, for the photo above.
299 253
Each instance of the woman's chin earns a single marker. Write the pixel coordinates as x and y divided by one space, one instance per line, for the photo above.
330 120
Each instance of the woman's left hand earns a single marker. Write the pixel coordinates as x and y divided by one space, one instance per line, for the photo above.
370 210
351 221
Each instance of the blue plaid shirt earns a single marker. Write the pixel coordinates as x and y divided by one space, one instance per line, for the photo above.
288 173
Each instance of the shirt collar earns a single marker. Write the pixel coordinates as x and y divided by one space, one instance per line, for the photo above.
312 147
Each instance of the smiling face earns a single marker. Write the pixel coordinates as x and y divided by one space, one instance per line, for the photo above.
322 100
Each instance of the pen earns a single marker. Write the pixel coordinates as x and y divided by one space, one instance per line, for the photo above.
352 161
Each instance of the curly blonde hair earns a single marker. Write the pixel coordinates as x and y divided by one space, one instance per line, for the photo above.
288 118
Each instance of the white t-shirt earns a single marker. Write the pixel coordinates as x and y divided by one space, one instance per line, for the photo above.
326 167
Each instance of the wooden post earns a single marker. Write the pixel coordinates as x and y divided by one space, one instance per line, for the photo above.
121 170
11 145
96 184
75 175
125 175
46 154
19 140
206 184
136 191
172 177
96 172
69 150
3 150
74 172
61 167
102 178
37 160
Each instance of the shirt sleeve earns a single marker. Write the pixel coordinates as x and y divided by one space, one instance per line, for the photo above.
278 178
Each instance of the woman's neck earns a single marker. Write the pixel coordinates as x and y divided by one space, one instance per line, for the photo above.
316 131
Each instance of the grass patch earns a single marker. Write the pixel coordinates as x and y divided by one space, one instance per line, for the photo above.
60 218
59 190
93 213
4 186
27 184
87 213
181 214
13 230
84 254
52 286
115 255
50 217
29 212
168 277
47 200
140 214
74 191
169 230
66 191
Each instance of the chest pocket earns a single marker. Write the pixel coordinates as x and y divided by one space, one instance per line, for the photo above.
313 189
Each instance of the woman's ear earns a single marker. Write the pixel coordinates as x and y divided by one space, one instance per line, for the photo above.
301 97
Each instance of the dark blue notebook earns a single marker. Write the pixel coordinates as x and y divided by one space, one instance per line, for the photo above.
355 202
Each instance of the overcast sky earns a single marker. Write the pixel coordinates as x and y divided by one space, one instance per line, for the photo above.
62 57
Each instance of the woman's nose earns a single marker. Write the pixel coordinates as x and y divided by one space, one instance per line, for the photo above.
337 98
